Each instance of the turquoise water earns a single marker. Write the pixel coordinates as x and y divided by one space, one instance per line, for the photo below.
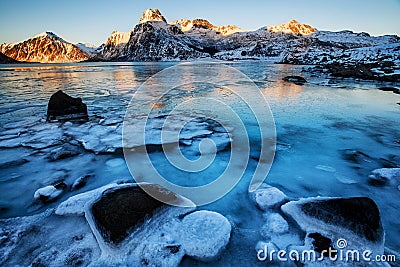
315 123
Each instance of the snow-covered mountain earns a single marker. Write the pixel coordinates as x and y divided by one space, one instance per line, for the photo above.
45 47
202 26
6 60
151 15
114 45
88 48
292 27
154 39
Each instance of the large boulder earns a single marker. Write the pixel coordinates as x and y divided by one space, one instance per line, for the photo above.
133 229
329 221
64 107
119 210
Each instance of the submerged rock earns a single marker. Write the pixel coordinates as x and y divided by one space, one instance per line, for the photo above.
80 182
355 156
295 79
64 107
62 152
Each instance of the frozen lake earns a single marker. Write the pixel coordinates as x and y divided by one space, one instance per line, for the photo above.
330 135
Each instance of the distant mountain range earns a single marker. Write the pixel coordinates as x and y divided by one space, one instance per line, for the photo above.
154 39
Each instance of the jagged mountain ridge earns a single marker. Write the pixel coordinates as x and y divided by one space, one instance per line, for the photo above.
292 42
154 39
45 47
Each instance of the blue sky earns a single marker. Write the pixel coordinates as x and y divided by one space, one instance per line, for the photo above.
93 21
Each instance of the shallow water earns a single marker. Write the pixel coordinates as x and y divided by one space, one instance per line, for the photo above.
315 123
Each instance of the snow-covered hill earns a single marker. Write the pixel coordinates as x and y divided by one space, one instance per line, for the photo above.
45 47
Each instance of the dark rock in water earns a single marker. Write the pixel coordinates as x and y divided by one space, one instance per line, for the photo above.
390 89
384 176
13 163
355 156
356 219
64 107
80 182
359 214
120 210
322 243
174 248
360 70
295 79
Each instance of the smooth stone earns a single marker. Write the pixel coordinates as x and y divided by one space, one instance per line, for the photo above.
268 197
205 234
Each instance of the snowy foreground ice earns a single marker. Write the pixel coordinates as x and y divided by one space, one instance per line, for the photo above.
337 148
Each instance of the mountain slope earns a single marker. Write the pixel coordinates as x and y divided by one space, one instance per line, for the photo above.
6 60
114 46
157 40
46 47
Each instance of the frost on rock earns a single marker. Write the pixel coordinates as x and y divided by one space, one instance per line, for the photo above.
275 224
76 205
205 234
385 176
268 197
80 182
160 238
49 193
356 219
